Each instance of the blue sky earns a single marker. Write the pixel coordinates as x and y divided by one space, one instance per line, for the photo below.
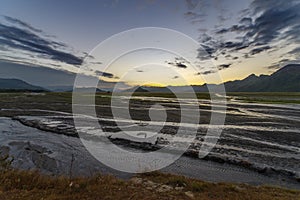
241 36
83 24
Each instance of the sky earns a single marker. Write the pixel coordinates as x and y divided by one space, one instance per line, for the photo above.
57 38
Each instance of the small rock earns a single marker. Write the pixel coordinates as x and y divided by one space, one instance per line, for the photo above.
164 188
189 194
238 188
179 188
151 184
137 180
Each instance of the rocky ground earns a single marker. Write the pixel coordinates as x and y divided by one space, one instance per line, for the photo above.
259 143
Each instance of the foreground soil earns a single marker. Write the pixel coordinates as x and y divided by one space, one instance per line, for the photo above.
32 185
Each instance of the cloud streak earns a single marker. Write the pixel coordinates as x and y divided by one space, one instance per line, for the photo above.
104 74
17 35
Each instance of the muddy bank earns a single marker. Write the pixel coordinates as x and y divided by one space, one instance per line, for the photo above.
54 153
261 138
235 146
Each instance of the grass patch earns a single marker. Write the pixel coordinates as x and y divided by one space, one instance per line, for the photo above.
28 185
207 190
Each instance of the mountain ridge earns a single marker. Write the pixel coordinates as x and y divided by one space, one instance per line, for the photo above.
286 79
17 85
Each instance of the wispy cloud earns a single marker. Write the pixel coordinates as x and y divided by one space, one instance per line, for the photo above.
18 37
21 23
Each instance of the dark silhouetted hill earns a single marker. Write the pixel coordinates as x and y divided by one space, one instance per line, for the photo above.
17 85
286 79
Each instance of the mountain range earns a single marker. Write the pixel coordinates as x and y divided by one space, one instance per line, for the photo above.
18 85
286 79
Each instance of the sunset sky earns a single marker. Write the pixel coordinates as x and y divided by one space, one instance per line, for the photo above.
241 37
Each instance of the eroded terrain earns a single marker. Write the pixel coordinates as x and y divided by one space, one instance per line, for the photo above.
260 142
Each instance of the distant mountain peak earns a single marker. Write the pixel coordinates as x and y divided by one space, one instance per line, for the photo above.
286 79
17 84
289 67
141 89
251 76
136 89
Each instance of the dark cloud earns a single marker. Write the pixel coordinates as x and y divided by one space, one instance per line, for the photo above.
234 28
246 21
96 62
206 72
216 48
211 47
295 51
246 56
22 36
21 23
233 45
270 22
275 66
175 77
284 60
280 63
260 49
179 62
208 49
139 70
179 65
104 74
230 57
224 66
